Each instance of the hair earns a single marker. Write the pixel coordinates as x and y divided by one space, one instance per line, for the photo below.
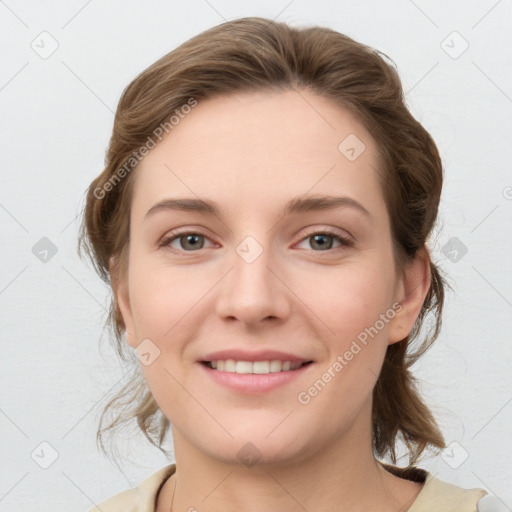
254 54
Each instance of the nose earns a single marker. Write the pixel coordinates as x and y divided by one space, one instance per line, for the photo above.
253 292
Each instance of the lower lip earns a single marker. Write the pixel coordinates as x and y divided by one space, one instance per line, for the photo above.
253 382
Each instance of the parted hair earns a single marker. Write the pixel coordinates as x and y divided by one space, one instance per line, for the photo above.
251 54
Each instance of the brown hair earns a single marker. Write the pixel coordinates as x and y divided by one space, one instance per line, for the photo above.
251 54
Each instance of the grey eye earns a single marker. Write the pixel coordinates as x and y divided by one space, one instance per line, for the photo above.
322 241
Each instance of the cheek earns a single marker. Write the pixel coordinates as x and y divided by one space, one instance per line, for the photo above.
352 299
352 308
162 301
161 297
353 304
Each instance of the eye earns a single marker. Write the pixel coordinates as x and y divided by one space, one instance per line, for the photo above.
189 241
323 240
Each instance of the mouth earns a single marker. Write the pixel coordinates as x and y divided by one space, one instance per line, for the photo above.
254 377
255 367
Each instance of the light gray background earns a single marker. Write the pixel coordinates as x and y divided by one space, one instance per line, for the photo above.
57 118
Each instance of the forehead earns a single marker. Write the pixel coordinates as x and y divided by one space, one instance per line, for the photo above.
258 149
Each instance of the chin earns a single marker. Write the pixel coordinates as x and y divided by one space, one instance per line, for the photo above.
253 446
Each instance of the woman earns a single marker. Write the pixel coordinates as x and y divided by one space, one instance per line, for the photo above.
262 220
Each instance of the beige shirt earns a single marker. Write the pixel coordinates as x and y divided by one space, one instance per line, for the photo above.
435 496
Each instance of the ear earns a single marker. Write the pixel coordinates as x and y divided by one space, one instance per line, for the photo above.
412 288
120 288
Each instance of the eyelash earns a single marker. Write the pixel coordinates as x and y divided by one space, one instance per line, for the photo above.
174 235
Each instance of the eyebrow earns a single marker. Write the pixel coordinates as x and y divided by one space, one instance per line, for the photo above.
299 204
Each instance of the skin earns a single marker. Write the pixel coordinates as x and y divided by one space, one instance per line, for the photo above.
251 153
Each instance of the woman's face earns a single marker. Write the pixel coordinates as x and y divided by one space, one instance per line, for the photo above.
259 276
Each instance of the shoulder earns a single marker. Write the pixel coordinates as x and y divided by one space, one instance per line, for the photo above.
137 499
442 496
127 501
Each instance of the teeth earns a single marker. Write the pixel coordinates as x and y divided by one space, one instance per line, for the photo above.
258 367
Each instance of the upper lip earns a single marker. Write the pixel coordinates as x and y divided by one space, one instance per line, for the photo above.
262 355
